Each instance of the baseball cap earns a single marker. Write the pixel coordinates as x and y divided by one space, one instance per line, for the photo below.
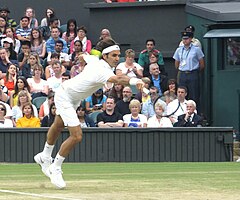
8 40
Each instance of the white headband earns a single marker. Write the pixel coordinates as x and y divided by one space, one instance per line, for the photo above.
111 48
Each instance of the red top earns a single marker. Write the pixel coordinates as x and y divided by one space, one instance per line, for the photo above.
8 84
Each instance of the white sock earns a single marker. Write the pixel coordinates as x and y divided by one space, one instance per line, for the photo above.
58 161
47 151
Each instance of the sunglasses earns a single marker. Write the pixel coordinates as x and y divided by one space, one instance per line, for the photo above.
2 109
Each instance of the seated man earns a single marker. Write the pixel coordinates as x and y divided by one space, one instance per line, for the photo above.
157 79
5 61
190 119
64 57
144 60
24 32
55 36
148 106
122 105
55 81
109 117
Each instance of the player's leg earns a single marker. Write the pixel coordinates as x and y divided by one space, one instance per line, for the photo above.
55 169
74 138
44 158
55 130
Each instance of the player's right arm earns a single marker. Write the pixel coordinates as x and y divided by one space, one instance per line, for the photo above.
119 79
125 80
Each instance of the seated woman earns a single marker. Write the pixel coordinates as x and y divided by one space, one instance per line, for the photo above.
27 70
171 86
10 79
38 44
23 97
134 119
20 85
82 36
116 92
130 67
85 120
38 86
71 32
4 122
96 102
28 120
158 120
48 119
44 108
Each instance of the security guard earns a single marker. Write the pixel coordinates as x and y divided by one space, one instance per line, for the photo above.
143 59
189 62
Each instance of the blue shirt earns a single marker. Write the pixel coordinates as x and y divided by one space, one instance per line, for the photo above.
188 58
156 83
89 99
50 45
147 108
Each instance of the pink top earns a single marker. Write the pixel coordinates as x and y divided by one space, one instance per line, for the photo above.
88 46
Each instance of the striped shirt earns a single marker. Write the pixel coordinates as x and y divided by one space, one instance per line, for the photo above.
23 32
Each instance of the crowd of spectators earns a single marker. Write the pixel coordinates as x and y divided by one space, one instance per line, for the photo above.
35 58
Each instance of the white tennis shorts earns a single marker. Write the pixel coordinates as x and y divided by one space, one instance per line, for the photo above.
65 108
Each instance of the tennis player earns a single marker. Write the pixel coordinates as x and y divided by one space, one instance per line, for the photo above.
98 73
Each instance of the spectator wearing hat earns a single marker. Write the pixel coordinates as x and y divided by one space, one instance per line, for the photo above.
10 33
143 59
7 43
4 12
189 61
195 41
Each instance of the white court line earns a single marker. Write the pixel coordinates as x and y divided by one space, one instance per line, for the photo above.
36 195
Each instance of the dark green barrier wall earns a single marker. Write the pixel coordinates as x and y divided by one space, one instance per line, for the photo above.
125 145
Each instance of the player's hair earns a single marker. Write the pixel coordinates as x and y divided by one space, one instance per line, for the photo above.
103 44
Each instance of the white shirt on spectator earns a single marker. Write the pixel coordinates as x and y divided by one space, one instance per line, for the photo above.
38 87
142 119
154 123
125 70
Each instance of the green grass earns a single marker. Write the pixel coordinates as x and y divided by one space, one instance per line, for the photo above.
130 181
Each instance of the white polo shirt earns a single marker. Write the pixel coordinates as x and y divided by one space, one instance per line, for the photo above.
94 76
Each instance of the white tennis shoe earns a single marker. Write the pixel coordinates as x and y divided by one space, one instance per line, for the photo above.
55 175
43 162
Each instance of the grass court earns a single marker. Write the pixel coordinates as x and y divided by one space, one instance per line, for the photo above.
124 181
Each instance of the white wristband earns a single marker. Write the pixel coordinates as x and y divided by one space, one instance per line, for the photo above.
133 81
